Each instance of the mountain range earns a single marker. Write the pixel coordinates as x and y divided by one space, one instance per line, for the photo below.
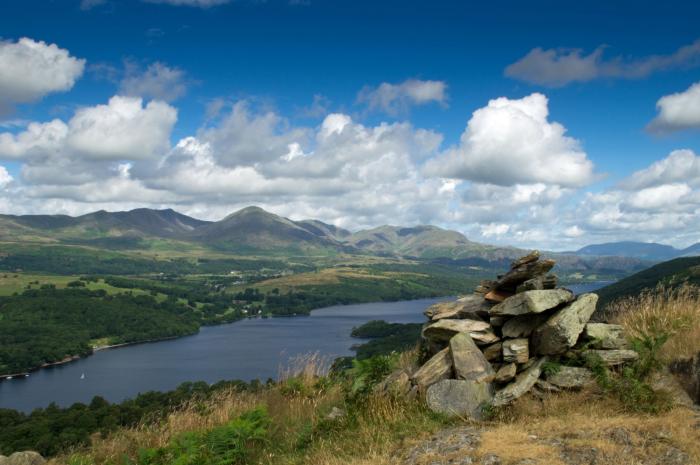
643 250
255 231
251 229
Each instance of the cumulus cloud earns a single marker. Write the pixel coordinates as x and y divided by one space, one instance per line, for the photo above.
30 70
511 141
5 177
678 111
562 66
66 159
660 202
122 129
158 81
350 174
394 99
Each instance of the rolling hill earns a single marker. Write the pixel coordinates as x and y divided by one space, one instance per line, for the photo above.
254 231
672 273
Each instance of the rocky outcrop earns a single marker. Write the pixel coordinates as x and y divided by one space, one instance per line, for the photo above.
499 338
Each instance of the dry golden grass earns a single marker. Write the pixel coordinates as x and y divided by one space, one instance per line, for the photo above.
534 428
671 311
298 403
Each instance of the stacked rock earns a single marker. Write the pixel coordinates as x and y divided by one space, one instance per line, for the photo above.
489 348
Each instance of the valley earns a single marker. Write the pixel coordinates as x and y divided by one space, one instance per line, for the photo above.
183 273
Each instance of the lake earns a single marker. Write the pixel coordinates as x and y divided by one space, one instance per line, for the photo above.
246 350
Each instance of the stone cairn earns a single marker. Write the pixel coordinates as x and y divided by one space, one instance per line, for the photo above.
490 347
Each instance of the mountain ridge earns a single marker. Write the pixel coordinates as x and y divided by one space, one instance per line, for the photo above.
253 230
643 250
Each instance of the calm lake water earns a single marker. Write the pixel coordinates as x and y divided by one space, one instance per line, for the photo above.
245 350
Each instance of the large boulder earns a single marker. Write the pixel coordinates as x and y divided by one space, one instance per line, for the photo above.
570 377
522 326
472 306
522 384
614 357
561 330
459 398
468 361
23 458
522 272
444 330
605 336
438 367
516 350
533 302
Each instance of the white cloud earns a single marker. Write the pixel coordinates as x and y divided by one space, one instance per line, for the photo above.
495 229
243 137
394 99
659 203
512 142
122 129
678 111
158 81
118 156
5 177
559 67
680 166
573 231
30 70
66 157
665 196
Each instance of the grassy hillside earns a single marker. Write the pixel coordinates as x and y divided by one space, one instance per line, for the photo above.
671 273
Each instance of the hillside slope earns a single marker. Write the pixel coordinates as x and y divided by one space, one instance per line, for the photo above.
672 272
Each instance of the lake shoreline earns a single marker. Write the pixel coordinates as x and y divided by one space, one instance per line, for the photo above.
73 358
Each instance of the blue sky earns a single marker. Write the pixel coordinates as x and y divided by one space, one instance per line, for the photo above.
256 68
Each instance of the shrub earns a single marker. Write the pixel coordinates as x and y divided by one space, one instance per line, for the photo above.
629 384
367 373
664 312
229 444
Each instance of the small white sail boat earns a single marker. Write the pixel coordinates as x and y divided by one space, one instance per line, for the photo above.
82 376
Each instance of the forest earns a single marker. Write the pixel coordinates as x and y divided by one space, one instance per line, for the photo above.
42 326
54 429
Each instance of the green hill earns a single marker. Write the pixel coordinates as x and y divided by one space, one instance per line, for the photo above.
672 272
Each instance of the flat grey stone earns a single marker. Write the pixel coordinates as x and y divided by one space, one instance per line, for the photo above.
459 398
562 330
533 302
